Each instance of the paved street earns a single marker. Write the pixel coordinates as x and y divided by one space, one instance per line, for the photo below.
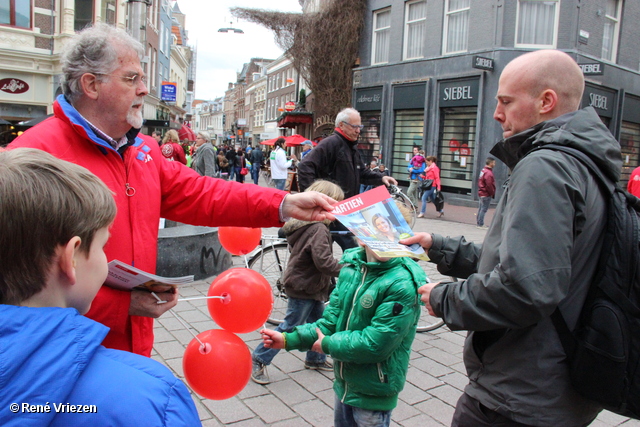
299 397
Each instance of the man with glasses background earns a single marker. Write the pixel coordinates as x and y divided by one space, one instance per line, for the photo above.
337 159
96 124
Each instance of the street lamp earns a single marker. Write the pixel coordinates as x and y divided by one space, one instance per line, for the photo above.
227 29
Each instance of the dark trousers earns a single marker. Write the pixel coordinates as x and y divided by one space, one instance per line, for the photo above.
471 413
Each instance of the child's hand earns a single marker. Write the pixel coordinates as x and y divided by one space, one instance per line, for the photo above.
272 339
317 346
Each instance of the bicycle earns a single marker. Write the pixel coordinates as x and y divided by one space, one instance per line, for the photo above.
399 197
271 260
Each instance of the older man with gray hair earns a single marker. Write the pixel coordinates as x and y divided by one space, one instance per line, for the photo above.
96 124
337 159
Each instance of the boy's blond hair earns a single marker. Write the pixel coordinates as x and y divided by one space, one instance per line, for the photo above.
327 187
44 203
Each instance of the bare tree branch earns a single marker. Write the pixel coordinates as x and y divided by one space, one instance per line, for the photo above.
323 46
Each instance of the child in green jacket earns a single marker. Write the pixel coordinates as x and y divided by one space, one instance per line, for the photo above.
367 328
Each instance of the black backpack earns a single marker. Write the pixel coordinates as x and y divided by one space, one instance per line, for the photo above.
603 351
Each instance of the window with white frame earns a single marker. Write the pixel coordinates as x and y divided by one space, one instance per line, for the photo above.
456 26
537 23
415 25
611 30
381 36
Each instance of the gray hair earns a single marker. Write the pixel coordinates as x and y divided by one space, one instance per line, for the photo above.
344 115
205 135
94 50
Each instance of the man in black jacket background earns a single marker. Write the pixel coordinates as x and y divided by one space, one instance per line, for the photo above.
337 159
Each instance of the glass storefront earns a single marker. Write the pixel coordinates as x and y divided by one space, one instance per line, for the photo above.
408 132
456 149
458 102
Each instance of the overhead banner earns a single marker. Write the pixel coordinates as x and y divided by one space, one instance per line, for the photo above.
169 90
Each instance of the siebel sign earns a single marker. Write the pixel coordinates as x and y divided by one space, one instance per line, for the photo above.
13 86
594 69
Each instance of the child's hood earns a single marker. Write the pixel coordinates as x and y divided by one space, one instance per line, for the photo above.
293 228
43 352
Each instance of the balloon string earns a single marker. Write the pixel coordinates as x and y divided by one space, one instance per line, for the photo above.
179 319
197 298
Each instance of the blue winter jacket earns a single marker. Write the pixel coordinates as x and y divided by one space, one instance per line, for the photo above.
52 363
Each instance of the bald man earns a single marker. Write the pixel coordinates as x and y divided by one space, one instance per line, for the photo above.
538 254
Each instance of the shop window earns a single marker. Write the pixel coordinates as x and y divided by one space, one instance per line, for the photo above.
408 131
16 13
456 31
83 15
456 147
630 147
109 11
369 142
537 23
414 29
381 36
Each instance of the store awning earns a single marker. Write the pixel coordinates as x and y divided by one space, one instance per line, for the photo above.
289 141
185 132
291 119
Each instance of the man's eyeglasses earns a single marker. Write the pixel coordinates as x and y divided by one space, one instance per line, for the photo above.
353 126
132 80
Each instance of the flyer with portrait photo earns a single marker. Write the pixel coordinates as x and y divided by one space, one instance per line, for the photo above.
374 219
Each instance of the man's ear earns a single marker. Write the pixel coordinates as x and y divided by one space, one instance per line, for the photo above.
89 83
67 259
548 101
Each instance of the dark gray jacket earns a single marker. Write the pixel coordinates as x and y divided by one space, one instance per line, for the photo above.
539 253
338 160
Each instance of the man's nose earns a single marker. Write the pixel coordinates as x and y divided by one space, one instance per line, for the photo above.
498 115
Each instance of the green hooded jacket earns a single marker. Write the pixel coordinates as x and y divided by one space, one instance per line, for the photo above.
369 326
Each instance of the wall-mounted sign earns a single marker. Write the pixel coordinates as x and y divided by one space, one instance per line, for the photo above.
369 99
169 90
604 100
592 69
290 106
482 63
14 86
459 93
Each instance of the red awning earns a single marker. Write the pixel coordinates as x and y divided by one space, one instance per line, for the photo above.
185 132
289 141
295 118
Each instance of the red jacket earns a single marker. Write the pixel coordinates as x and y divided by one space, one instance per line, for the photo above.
157 188
173 151
633 186
433 172
486 183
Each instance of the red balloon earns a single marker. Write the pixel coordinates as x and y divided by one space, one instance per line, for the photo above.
239 240
221 368
247 300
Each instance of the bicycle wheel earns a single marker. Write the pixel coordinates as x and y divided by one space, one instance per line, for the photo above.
427 322
271 261
404 200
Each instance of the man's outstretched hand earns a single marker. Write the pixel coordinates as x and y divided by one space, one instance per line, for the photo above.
308 206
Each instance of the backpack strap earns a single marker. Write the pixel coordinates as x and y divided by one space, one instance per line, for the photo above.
569 342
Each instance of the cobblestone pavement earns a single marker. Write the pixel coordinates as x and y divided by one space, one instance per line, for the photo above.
300 397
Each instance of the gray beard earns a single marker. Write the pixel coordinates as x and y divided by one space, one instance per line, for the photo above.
134 118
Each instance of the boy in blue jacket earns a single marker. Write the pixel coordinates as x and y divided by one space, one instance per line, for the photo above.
54 223
367 328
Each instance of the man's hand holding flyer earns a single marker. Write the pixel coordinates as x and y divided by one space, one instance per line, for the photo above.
376 221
